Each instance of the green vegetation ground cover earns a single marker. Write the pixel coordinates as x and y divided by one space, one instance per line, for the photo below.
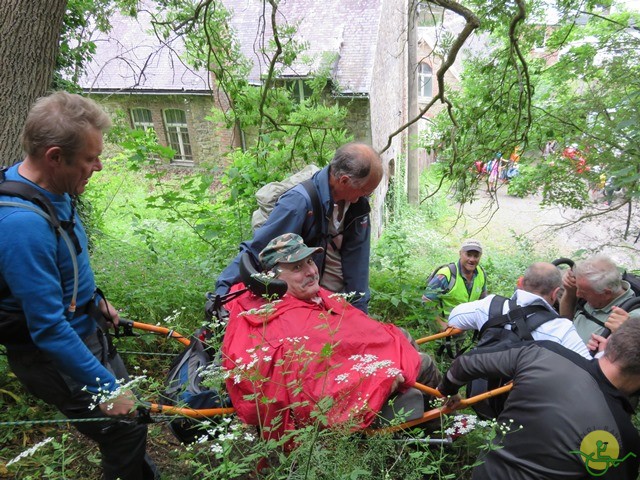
155 266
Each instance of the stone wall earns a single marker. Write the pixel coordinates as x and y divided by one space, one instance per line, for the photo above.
209 141
388 98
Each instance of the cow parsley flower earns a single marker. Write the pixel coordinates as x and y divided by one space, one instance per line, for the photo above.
30 451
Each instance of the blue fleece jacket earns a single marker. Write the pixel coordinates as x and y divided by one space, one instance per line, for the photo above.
292 214
36 266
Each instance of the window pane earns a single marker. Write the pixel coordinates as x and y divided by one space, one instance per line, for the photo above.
141 118
178 134
425 80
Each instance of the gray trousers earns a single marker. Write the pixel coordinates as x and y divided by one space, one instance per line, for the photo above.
122 443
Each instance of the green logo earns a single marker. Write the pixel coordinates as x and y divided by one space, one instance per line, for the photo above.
600 451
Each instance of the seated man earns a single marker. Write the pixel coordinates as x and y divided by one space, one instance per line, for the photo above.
540 285
312 352
570 417
598 282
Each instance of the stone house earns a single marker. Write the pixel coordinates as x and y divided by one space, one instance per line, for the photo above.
134 72
366 43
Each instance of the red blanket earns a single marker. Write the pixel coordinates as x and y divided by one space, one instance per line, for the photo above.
293 359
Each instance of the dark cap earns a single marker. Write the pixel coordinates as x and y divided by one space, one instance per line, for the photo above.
286 248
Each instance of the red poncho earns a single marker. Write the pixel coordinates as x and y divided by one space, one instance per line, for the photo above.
301 357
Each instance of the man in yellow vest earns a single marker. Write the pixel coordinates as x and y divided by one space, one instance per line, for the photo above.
459 282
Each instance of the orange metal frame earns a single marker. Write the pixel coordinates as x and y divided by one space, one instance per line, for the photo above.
210 412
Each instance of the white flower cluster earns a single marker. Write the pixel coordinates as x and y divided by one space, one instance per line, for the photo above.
463 424
264 276
103 396
172 319
264 310
360 405
30 451
212 372
294 339
343 296
369 364
226 433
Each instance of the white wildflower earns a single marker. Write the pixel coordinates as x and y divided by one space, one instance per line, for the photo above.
216 448
29 451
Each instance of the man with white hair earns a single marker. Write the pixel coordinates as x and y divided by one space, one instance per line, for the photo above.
593 291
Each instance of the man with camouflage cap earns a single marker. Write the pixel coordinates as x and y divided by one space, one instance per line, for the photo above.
311 346
292 261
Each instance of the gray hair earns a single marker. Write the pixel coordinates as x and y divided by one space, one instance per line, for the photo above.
61 119
622 347
542 278
353 160
600 272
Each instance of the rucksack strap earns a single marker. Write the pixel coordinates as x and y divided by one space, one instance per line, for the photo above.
313 196
580 309
523 320
316 207
453 274
495 317
45 209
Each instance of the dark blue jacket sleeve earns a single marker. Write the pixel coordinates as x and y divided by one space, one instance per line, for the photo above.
288 216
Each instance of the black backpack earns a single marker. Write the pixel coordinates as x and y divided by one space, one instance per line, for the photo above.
13 324
452 279
523 321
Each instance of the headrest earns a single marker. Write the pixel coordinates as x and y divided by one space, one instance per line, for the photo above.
259 284
563 261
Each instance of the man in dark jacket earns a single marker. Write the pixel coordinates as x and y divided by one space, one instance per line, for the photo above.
343 229
571 417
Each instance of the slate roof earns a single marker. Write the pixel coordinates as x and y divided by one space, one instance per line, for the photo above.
131 58
346 29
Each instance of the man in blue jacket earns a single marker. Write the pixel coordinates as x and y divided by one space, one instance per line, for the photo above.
64 357
343 229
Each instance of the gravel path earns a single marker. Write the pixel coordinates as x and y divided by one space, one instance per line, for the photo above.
548 228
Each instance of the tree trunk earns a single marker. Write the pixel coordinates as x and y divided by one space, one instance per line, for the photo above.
29 34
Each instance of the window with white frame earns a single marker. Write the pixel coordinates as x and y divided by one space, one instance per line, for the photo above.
425 81
178 135
141 119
